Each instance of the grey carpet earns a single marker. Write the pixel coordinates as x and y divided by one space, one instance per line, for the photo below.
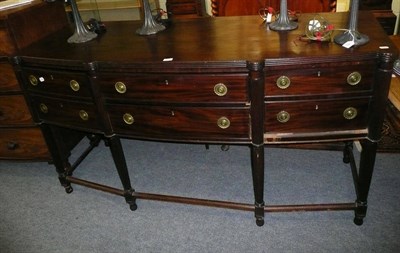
36 215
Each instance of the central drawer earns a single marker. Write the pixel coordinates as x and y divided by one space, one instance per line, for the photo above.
175 88
181 123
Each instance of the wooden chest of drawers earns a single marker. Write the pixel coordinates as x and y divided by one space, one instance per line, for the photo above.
185 8
174 106
330 95
20 138
228 81
63 98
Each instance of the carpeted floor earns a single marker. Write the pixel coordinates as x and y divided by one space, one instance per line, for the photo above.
391 131
37 216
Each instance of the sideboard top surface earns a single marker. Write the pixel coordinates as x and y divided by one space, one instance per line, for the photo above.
223 39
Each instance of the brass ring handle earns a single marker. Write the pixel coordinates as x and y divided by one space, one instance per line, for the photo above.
350 113
354 78
220 89
83 115
128 118
43 108
120 87
283 116
74 85
223 122
283 82
33 80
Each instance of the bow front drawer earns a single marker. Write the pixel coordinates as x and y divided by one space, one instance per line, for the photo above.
181 123
319 80
188 88
299 117
73 84
67 113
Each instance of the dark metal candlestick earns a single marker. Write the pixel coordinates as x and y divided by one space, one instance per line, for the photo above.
352 35
81 33
150 26
283 22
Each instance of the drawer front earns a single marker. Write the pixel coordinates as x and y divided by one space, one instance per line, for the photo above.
66 113
23 143
8 81
180 123
59 83
176 88
14 111
313 81
316 116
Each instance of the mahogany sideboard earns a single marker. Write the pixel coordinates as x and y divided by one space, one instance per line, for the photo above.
225 80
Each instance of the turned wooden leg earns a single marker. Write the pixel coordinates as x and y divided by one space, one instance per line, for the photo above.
257 165
120 163
348 148
59 154
367 161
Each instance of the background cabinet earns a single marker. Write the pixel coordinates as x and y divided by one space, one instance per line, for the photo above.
20 138
249 7
186 8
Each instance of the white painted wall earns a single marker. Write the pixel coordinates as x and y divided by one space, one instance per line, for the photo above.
396 11
342 5
162 4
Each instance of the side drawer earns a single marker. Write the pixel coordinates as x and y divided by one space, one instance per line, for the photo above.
175 88
296 117
318 80
66 112
8 81
180 123
14 111
74 84
23 143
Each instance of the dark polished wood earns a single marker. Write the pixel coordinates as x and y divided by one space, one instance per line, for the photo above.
20 138
8 80
382 10
219 83
17 29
